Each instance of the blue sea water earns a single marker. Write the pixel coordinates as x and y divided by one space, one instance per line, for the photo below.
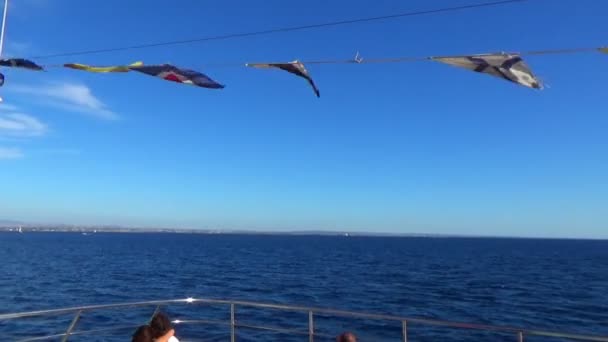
543 284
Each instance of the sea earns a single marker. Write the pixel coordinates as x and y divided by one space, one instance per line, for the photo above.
555 285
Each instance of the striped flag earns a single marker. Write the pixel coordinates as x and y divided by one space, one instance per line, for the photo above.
295 67
117 68
20 63
506 66
174 74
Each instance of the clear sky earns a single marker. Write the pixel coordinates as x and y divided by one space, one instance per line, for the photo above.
413 147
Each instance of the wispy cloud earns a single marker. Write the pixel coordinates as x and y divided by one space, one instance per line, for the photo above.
62 151
10 153
18 126
16 49
14 124
20 8
74 97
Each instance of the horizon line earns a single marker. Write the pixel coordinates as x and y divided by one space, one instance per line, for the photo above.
74 228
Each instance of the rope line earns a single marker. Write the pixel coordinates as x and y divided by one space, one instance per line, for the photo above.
406 59
282 30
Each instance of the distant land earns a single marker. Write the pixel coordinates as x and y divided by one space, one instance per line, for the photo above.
11 226
25 227
9 223
15 226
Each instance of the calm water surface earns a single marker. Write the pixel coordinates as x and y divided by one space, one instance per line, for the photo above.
546 284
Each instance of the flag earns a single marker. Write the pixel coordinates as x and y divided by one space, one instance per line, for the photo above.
117 68
20 63
1 79
295 67
172 73
509 67
604 49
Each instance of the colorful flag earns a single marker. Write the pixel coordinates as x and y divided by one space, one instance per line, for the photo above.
295 67
20 63
509 67
172 73
117 68
604 49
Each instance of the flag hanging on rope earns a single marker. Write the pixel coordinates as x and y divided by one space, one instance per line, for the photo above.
604 49
1 79
117 68
172 73
295 67
506 66
20 63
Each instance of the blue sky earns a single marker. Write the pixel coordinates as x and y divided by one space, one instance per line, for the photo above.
412 147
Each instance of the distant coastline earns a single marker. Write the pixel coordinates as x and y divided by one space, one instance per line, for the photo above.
16 227
30 228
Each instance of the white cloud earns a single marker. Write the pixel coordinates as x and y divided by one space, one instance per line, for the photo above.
62 151
21 9
16 125
5 107
73 97
10 153
20 125
16 49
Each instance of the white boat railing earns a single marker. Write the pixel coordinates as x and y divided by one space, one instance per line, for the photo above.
232 324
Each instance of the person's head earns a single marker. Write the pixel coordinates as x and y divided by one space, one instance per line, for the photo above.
166 337
143 334
162 328
161 324
347 337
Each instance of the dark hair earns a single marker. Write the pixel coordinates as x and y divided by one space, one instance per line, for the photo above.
160 324
143 334
347 337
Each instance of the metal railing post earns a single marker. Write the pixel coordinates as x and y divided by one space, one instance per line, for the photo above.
157 310
77 313
71 326
311 327
232 324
